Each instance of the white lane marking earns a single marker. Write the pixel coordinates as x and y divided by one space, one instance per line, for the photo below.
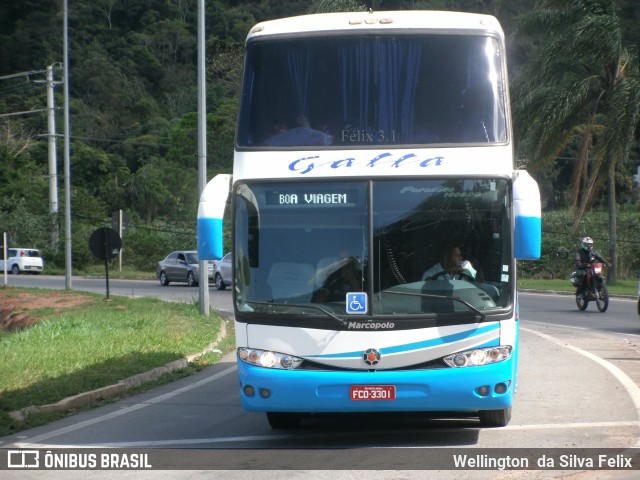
307 435
132 408
630 386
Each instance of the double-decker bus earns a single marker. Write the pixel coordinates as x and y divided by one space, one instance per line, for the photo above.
367 145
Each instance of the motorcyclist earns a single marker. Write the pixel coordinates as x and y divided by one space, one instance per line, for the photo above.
584 257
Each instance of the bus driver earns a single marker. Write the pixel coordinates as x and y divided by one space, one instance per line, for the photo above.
450 267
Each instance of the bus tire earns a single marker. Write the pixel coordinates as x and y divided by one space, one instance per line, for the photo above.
284 419
495 418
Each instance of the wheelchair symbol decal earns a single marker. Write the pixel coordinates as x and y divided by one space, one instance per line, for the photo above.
357 303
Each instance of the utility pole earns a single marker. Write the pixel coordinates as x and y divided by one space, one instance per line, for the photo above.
67 160
53 159
202 148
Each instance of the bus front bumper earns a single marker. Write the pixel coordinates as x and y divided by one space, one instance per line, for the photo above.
487 387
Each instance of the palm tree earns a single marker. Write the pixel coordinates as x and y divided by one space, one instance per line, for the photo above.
580 86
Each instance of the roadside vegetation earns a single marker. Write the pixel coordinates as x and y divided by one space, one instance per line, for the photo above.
77 342
559 244
575 87
622 287
142 251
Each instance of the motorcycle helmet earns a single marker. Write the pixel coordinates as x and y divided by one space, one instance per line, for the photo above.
587 243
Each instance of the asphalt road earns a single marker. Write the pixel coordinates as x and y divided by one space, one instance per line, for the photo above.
578 387
175 292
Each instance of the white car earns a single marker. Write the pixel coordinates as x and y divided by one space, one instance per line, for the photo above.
222 271
22 260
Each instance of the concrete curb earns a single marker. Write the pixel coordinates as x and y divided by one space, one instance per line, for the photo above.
76 401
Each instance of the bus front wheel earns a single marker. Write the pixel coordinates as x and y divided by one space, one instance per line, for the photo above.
495 418
284 420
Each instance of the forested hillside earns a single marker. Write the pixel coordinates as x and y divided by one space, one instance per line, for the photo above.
133 109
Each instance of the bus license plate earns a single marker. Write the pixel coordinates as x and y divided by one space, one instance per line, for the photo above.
373 392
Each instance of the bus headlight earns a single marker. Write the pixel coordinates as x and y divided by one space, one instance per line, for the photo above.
479 356
268 359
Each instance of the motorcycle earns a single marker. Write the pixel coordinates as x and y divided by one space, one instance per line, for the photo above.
593 289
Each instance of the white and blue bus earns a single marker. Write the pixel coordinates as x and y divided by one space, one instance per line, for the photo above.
366 144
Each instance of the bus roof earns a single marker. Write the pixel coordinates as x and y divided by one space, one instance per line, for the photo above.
436 21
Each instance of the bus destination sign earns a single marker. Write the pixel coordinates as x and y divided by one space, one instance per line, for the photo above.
309 197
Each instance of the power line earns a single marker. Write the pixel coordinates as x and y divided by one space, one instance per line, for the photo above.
108 140
577 236
24 74
2 115
18 75
11 88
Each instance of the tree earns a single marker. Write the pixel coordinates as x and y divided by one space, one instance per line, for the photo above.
151 190
580 85
327 6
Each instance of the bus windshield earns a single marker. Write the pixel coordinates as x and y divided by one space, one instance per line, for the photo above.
372 90
309 243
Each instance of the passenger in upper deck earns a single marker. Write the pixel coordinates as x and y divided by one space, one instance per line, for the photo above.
300 136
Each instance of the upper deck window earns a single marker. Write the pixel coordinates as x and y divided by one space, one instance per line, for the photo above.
372 90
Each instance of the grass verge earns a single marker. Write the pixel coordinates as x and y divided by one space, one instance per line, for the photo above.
93 343
622 287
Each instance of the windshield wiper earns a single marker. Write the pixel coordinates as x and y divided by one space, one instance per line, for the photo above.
342 321
444 297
